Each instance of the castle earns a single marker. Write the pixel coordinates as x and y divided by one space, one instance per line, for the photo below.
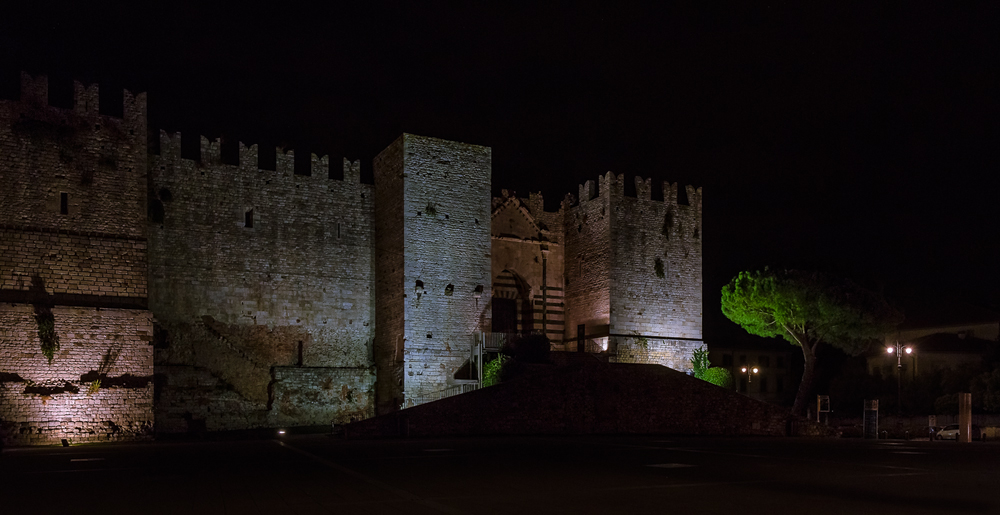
140 289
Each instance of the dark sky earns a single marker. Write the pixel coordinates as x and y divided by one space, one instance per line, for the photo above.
858 141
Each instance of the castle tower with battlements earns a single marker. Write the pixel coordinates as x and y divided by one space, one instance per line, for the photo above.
226 287
76 360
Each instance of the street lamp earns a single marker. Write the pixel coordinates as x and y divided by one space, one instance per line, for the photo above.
749 371
899 350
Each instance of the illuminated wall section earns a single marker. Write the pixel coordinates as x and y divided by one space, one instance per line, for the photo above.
633 270
434 266
75 337
262 283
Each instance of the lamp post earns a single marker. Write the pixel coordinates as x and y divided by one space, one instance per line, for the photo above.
899 350
749 371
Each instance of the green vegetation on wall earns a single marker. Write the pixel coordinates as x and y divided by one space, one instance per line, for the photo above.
47 333
699 361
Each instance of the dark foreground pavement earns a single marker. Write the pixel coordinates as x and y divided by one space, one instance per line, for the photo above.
319 474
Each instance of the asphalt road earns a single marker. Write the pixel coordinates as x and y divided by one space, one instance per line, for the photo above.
320 474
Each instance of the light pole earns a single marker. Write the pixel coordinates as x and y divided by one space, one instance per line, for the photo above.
749 371
898 350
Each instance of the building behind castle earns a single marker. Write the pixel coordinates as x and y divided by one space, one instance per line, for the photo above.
143 290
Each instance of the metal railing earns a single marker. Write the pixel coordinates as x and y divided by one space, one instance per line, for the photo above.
451 391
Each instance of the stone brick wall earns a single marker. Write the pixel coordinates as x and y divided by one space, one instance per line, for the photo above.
97 161
446 255
73 250
588 264
72 265
42 402
675 354
190 399
633 267
390 272
649 238
310 395
73 199
252 269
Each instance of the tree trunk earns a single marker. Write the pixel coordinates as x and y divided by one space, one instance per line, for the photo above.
808 378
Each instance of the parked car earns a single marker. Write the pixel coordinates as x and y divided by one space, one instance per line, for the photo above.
951 433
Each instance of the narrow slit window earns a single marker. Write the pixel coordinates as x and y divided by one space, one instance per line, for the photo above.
248 219
338 230
64 203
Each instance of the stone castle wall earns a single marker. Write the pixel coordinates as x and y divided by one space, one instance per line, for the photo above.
588 264
73 198
43 402
253 269
278 294
633 269
675 354
656 277
72 255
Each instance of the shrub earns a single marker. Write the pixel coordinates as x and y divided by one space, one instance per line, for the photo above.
491 370
718 376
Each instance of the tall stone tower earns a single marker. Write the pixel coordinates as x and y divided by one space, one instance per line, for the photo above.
76 363
433 266
633 271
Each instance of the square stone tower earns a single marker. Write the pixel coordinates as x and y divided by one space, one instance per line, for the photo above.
76 360
433 266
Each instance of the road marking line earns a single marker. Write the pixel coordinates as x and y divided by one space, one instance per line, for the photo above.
670 465
682 485
374 482
87 459
81 470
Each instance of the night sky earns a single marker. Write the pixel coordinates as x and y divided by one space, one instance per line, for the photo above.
861 141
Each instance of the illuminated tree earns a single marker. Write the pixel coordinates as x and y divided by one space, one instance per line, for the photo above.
808 309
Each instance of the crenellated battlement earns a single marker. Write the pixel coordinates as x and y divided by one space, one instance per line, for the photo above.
86 98
611 185
249 158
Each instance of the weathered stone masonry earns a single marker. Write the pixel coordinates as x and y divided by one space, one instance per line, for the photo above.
284 297
259 280
73 267
436 262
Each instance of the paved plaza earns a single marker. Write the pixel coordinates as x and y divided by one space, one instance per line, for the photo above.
614 474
